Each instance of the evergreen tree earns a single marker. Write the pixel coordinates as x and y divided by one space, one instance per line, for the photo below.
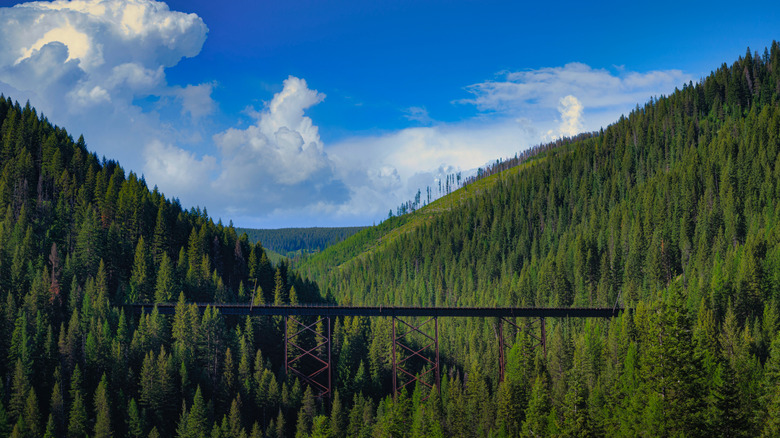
20 390
338 418
197 420
142 277
166 282
50 428
102 410
135 426
77 424
535 423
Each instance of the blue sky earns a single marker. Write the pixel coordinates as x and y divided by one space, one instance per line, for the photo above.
312 113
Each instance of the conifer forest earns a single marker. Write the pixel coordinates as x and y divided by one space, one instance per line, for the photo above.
671 213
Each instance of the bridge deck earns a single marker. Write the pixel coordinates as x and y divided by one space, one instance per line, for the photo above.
389 311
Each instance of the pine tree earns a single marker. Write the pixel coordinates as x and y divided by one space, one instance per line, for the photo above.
228 386
338 419
769 416
166 282
102 410
670 367
279 429
320 427
135 425
19 391
51 431
161 240
280 291
142 277
306 414
256 432
77 423
149 392
57 405
535 423
197 421
234 418
5 427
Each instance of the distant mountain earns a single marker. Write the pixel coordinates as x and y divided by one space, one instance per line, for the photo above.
291 240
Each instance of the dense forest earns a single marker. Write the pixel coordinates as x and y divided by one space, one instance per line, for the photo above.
79 237
672 212
292 240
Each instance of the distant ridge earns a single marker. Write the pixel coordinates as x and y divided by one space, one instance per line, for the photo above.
287 240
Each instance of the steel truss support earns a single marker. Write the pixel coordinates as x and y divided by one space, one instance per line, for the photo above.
539 340
402 376
308 363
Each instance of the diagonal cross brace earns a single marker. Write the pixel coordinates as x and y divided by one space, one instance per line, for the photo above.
321 377
398 370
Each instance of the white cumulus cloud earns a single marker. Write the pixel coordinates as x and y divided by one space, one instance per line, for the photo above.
593 87
276 166
84 62
99 67
176 169
283 143
571 116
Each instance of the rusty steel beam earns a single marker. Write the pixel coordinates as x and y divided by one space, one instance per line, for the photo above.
392 311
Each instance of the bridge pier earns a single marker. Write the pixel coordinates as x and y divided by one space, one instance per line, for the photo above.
311 365
415 352
538 341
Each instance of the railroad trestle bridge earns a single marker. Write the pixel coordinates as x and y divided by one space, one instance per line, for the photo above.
318 372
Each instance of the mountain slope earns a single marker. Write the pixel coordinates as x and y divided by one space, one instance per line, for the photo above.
630 209
79 237
672 210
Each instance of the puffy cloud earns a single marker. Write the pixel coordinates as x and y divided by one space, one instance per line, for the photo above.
84 63
88 63
175 169
597 88
278 172
571 114
384 171
603 95
277 166
283 143
77 43
196 100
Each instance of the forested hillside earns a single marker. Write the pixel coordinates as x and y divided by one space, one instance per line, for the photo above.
287 240
78 237
672 211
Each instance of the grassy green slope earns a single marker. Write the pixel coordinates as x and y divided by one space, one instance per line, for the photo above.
377 238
